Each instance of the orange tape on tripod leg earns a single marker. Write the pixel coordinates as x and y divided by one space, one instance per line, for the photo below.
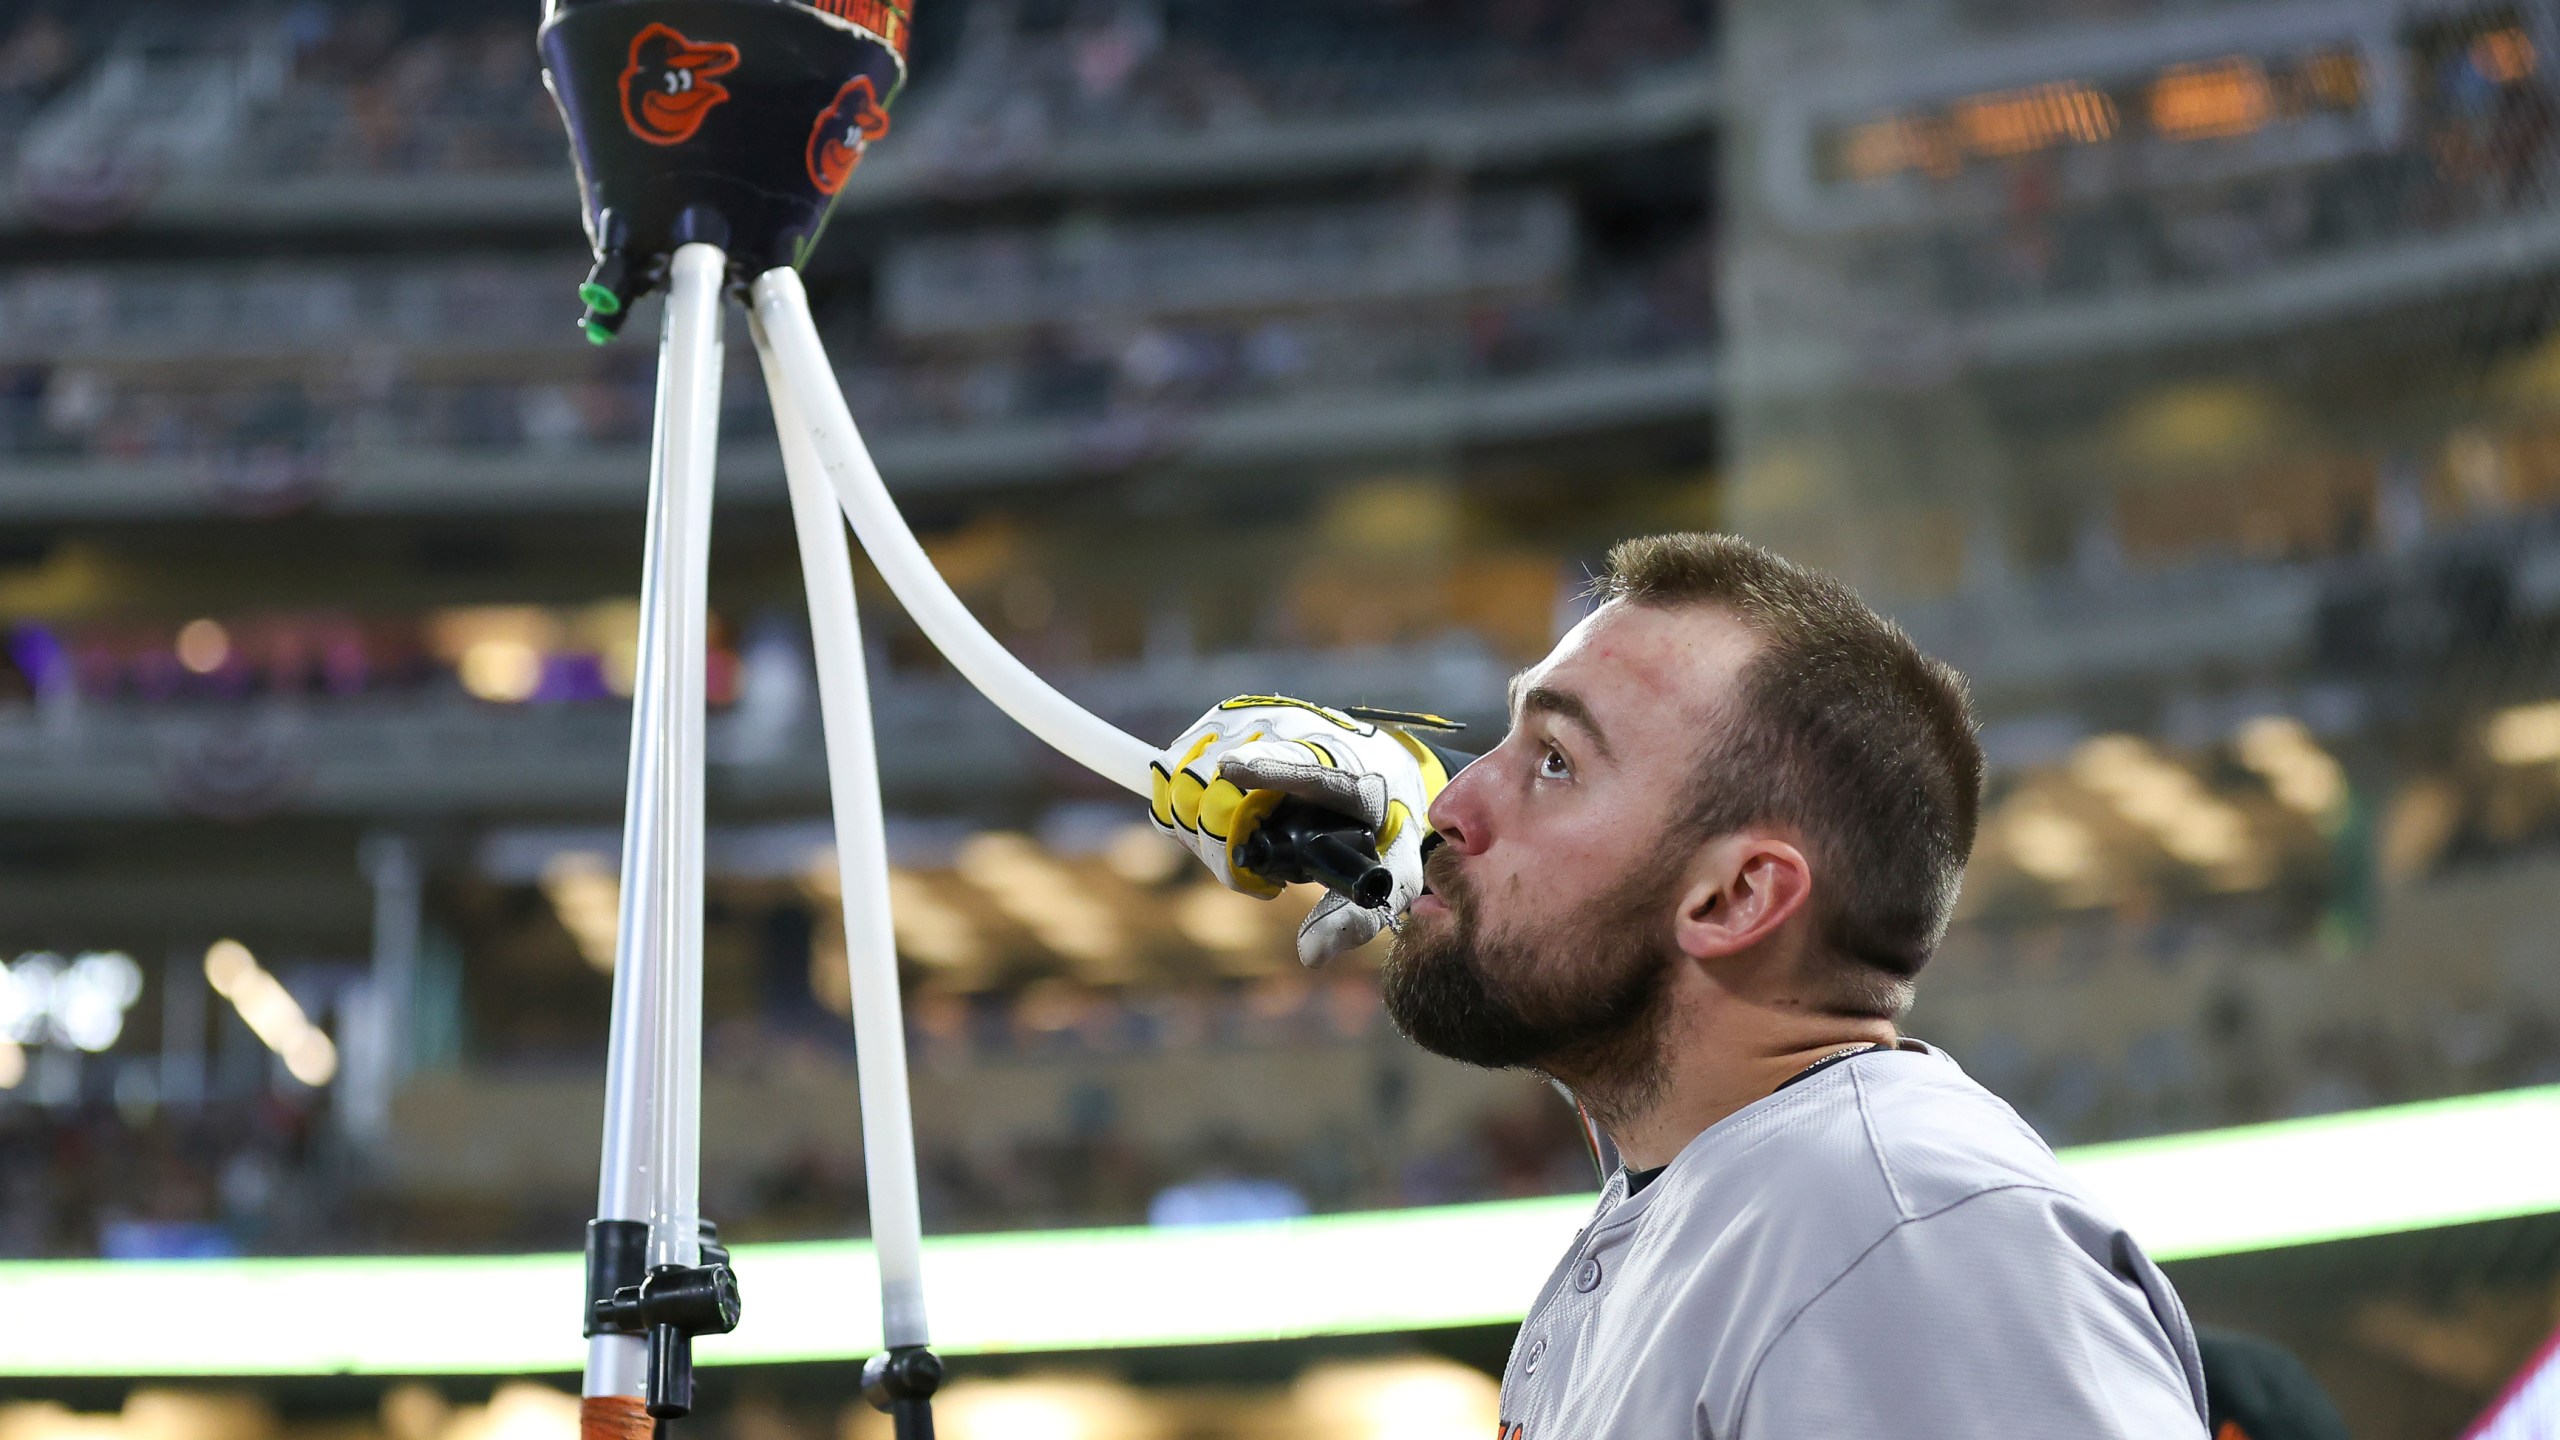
614 1417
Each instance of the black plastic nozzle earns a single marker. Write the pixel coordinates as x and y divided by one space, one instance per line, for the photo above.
1301 842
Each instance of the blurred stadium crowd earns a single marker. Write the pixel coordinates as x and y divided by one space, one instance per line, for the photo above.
2476 149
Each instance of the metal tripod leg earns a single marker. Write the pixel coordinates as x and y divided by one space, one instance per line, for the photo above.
647 1208
871 955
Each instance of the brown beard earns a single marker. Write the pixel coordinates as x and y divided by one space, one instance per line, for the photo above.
1578 997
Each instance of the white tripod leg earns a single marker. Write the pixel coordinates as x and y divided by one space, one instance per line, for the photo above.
798 368
653 1093
862 864
693 431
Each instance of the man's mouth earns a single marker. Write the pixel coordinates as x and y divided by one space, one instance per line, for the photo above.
1429 895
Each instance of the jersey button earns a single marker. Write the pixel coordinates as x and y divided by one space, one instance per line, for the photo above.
1537 1352
1587 1279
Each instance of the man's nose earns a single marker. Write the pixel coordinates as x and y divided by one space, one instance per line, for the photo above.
1457 813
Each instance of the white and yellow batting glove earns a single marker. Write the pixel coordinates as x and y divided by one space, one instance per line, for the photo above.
1247 755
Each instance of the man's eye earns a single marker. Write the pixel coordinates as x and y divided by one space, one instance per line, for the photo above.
1553 766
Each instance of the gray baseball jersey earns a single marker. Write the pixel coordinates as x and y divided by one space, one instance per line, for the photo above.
1884 1248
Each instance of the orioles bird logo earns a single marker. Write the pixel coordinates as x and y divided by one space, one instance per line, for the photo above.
667 88
844 130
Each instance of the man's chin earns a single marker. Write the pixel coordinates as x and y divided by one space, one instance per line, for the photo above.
1437 999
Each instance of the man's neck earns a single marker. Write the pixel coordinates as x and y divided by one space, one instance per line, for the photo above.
1716 1075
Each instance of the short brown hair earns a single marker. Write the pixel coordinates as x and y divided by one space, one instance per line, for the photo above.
1843 732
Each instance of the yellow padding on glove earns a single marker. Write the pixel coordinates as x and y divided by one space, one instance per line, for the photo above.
1187 790
1435 776
1178 796
1397 814
1249 813
1218 809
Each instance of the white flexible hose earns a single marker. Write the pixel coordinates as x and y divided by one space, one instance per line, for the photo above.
862 870
782 307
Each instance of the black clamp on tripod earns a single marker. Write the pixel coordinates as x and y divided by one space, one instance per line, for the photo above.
901 1382
670 1304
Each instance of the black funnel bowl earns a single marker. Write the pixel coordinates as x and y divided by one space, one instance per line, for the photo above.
729 121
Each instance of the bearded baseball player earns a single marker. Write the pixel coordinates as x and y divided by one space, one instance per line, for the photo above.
1695 884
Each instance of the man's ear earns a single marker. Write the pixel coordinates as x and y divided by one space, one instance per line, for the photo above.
1742 889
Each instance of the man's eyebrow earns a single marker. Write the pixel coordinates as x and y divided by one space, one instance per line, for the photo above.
1546 699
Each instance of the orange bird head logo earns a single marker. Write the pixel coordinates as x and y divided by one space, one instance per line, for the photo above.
667 88
844 130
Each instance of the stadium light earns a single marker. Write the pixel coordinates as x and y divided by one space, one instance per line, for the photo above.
1413 1398
929 927
271 1012
2524 734
2166 799
2047 843
2302 776
80 1003
1214 917
2255 1187
1021 880
203 646
1043 1407
1141 855
587 896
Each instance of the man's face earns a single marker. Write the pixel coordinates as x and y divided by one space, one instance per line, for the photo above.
1544 933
